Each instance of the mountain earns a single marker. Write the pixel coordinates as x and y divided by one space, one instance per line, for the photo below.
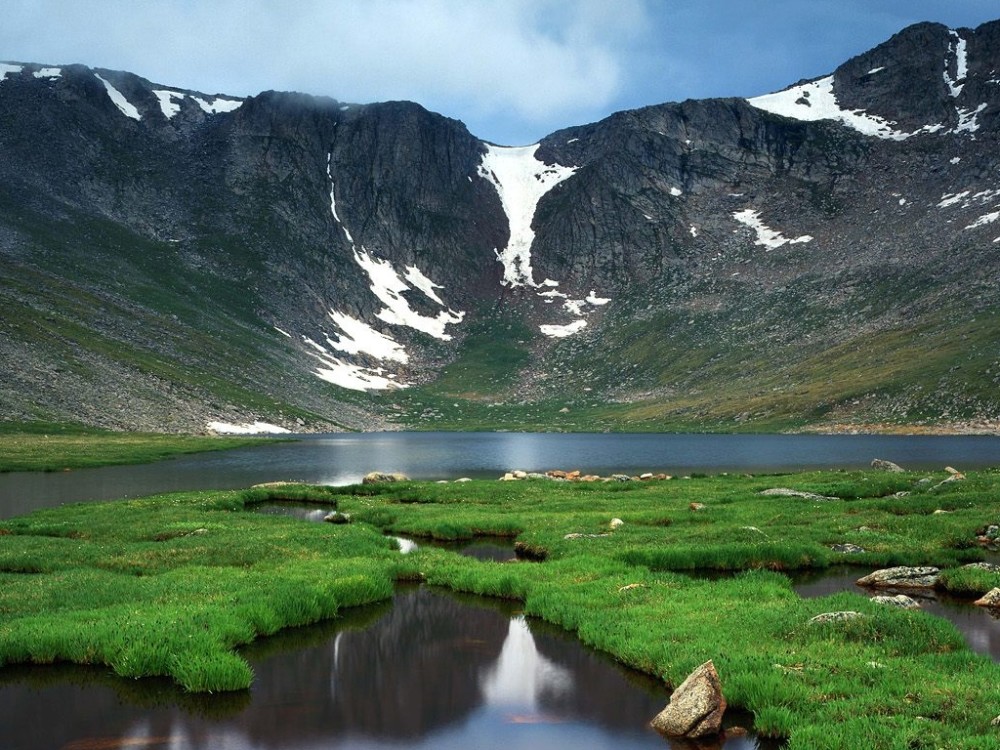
824 257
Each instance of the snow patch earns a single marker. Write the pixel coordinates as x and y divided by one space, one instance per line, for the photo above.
333 199
387 285
124 105
955 159
873 71
47 73
902 201
694 230
950 199
959 48
169 101
218 105
557 331
256 428
350 376
968 119
676 192
416 277
6 69
984 220
968 199
766 236
283 333
520 180
593 299
815 101
360 338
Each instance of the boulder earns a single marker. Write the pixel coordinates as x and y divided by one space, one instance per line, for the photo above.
880 464
900 600
376 477
990 599
696 706
337 517
901 577
616 523
848 549
827 617
697 506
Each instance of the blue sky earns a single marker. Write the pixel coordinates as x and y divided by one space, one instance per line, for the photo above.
512 70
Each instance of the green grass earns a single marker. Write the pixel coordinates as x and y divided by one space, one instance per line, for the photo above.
37 448
172 585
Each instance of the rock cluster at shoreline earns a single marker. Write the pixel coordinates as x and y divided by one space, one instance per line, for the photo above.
576 476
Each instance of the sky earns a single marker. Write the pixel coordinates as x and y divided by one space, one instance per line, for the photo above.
511 70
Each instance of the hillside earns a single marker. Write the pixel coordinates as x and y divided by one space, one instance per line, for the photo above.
824 257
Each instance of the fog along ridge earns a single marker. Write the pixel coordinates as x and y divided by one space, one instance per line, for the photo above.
820 257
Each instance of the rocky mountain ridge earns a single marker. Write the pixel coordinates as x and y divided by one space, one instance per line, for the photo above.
821 255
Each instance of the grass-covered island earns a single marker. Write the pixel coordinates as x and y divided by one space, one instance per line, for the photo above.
44 446
171 585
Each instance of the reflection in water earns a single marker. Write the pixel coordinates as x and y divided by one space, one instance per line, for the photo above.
430 671
521 675
978 625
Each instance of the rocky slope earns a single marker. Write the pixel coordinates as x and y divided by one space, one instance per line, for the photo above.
822 255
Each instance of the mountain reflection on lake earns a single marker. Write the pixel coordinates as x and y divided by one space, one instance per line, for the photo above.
431 670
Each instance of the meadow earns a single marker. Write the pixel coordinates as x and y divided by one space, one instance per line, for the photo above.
173 585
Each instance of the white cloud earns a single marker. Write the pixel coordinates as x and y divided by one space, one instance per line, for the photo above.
536 60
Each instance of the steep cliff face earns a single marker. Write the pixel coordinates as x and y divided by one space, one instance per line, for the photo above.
821 254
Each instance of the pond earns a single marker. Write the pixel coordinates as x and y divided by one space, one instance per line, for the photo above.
979 625
429 670
346 458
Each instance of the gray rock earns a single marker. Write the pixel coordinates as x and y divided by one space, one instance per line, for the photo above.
376 477
901 577
899 600
848 549
696 706
337 517
828 617
990 599
880 464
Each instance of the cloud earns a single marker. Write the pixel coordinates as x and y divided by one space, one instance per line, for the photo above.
538 61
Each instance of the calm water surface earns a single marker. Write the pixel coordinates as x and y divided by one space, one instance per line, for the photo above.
346 458
428 671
